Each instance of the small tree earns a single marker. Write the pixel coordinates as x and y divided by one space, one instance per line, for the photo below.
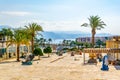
48 50
99 42
79 44
38 52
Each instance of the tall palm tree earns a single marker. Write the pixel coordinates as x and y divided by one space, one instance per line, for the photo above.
19 37
33 28
96 24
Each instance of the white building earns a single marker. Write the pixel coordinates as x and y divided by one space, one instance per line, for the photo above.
11 48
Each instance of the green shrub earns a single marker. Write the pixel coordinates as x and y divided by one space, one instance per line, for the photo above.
47 50
38 51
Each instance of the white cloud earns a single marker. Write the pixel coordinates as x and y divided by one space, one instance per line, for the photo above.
15 13
112 22
74 25
59 25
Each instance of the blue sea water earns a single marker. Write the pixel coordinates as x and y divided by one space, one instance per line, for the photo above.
59 41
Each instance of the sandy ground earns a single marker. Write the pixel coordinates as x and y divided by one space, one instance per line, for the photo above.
63 68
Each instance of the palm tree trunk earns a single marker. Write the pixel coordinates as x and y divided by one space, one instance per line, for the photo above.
18 53
92 40
32 42
93 37
28 49
7 52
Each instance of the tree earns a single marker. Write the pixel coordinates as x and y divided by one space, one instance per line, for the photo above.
99 42
96 24
38 52
33 28
37 43
66 43
41 42
44 42
19 37
104 44
72 44
6 32
49 41
47 50
79 44
86 45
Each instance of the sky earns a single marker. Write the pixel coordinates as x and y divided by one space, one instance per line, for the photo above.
61 15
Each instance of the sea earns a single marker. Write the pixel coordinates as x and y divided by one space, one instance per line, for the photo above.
60 41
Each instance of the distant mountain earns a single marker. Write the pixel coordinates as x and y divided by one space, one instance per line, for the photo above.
4 26
63 34
69 34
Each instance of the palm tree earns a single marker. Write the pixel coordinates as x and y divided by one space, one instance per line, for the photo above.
19 37
27 38
41 41
79 44
6 32
64 42
96 24
72 44
33 28
49 41
44 42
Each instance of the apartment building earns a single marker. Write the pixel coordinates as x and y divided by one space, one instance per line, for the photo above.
89 39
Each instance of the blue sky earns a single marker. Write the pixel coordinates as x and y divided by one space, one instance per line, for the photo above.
60 15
